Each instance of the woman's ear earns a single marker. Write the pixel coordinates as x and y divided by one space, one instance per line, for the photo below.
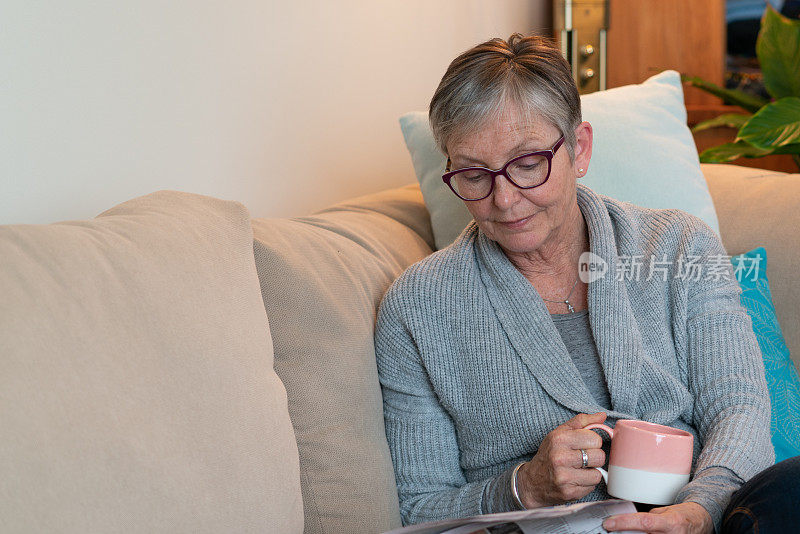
583 148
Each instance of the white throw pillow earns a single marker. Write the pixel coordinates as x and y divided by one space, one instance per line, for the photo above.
643 153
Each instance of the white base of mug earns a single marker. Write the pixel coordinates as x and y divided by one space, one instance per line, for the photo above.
644 486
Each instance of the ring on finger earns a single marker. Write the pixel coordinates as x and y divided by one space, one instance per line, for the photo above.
584 459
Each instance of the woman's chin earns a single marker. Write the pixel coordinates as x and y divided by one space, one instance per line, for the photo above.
518 242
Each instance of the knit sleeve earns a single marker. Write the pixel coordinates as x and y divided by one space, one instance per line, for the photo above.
422 436
725 372
712 488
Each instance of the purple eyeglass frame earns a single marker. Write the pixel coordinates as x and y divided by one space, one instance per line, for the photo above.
549 154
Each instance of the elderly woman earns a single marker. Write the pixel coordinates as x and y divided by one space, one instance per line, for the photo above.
494 353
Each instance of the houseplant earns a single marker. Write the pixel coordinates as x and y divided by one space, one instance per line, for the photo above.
769 126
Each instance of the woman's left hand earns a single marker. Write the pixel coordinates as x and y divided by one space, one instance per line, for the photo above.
688 517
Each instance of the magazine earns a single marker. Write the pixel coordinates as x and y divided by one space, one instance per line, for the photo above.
580 518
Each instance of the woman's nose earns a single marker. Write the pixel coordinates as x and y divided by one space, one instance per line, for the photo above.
505 193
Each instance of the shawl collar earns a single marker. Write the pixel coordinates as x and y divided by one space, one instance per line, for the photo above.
526 320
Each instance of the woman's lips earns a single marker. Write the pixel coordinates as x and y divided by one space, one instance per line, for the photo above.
512 225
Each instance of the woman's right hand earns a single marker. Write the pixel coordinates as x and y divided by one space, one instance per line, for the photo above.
555 474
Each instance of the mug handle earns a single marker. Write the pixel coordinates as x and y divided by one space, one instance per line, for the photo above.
608 430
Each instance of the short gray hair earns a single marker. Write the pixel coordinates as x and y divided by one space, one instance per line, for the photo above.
529 72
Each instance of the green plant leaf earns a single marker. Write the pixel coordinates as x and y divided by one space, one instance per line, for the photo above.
778 51
775 125
730 96
731 120
731 151
794 148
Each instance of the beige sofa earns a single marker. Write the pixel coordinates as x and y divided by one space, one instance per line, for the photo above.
137 390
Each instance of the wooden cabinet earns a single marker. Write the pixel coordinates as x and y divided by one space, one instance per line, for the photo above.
646 37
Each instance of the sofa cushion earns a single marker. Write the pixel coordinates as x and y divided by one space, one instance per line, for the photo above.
137 392
643 152
322 278
760 208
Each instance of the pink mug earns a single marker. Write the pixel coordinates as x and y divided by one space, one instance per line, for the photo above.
648 463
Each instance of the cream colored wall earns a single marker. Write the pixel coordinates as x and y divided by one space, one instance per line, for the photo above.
286 106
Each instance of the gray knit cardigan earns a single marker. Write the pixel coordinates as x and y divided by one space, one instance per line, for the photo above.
474 373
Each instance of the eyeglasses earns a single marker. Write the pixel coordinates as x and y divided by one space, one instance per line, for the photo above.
526 172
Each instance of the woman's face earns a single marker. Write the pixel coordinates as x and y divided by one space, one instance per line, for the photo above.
522 220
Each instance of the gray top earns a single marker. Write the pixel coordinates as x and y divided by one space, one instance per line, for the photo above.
474 373
577 337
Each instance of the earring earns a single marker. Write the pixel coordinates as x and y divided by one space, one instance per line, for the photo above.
580 171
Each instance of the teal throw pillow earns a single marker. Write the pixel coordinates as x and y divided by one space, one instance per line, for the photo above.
782 380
